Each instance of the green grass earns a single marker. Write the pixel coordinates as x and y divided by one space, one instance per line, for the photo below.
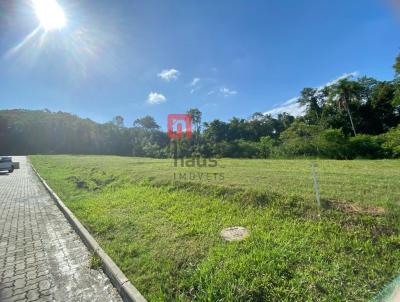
165 235
95 262
371 181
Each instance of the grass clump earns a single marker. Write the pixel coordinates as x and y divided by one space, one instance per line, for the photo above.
95 262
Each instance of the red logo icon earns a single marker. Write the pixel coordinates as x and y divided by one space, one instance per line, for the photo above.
179 120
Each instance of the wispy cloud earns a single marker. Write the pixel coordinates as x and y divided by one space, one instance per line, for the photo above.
342 77
209 107
194 82
195 85
293 108
156 98
169 74
290 106
226 92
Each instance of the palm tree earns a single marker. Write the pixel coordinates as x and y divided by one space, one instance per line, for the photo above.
343 93
196 120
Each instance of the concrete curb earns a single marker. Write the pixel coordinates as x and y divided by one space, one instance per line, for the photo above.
125 288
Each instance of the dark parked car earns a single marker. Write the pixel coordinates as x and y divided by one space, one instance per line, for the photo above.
6 164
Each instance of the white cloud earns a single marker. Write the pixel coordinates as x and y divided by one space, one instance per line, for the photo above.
169 74
227 92
342 77
211 92
293 108
194 82
156 98
291 101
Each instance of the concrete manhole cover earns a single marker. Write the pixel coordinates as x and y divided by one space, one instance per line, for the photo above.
234 233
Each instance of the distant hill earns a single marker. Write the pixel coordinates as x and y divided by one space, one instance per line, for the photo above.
44 132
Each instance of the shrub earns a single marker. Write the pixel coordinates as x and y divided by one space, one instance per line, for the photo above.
267 146
332 143
391 142
367 146
298 140
245 149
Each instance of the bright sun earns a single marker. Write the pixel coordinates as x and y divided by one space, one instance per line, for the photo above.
50 14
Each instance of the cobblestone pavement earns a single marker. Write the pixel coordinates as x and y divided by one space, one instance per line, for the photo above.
41 257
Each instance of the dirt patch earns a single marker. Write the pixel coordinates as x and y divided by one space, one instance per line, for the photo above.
78 183
92 182
354 208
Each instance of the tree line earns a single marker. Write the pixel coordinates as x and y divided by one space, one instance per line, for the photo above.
351 118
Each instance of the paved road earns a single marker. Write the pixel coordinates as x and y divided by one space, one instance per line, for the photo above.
41 257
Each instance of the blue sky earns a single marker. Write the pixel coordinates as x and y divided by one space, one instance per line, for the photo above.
227 58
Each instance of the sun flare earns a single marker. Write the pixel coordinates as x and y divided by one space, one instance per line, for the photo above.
50 14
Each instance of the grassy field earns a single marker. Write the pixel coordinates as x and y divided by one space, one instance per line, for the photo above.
165 234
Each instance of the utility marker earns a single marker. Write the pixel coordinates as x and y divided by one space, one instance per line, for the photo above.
316 189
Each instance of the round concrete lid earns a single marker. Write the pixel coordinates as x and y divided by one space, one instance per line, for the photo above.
234 233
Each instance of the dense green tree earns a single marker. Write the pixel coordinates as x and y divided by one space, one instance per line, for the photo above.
396 65
216 131
118 121
266 146
332 143
196 119
382 115
391 142
312 99
147 122
366 146
298 139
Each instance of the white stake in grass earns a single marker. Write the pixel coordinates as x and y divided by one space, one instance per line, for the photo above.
316 189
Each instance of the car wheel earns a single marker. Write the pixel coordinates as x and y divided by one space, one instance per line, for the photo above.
11 170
